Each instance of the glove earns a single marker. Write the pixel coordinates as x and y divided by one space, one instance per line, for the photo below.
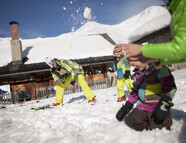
127 74
62 78
162 109
124 110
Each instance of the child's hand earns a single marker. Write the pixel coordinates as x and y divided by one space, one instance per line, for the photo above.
162 109
70 86
131 50
127 74
62 72
124 111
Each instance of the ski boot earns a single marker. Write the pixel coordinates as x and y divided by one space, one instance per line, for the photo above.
92 101
121 99
56 104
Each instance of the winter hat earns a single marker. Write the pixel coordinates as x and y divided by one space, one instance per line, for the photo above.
48 61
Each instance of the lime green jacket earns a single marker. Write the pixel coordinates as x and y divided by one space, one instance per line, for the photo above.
69 67
120 66
174 51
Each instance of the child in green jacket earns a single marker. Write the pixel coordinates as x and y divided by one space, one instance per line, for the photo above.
66 73
122 69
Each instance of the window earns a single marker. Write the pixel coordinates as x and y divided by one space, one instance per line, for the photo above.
97 71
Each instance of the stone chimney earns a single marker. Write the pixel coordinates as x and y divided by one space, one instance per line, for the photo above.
16 46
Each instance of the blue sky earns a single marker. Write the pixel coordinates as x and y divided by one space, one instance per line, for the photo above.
50 18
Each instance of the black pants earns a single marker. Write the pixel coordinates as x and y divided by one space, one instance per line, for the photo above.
140 120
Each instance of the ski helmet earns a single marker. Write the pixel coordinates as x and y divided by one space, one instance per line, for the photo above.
48 61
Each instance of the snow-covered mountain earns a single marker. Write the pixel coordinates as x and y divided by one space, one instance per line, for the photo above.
86 41
134 28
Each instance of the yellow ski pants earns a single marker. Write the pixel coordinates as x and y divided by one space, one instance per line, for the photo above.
120 83
81 80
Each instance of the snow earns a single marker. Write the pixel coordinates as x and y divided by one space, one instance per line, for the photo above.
87 13
76 121
86 41
64 8
132 29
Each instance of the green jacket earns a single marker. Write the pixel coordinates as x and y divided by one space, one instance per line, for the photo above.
120 66
69 67
174 51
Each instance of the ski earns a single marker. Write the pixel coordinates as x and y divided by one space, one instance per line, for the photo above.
2 107
48 106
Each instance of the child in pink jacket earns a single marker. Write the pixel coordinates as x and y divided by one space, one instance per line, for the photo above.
154 89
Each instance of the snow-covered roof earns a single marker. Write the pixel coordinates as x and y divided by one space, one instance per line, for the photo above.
86 41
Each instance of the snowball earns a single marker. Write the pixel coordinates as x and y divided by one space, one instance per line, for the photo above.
87 13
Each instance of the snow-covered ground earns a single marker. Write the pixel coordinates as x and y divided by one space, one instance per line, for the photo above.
79 122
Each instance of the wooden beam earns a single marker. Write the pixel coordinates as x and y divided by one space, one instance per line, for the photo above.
26 72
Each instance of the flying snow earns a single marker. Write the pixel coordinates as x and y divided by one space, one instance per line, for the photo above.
87 13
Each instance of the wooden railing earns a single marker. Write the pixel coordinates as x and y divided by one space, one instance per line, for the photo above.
45 92
5 98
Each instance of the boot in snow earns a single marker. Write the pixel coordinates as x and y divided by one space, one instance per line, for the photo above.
92 101
56 104
121 99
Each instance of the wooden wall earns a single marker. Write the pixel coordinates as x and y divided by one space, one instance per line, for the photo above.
30 88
